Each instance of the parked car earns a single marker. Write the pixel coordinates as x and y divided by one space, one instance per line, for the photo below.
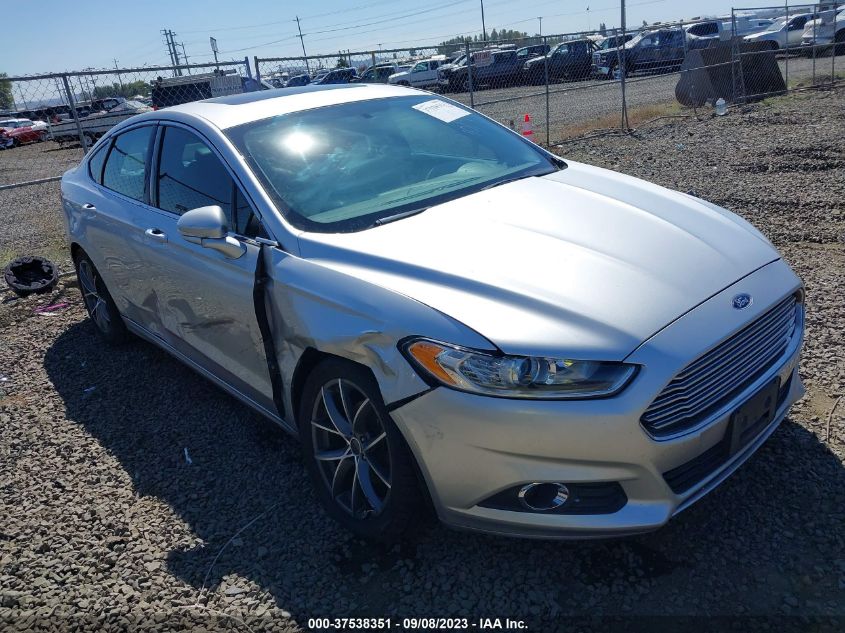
444 70
14 132
407 251
703 33
95 124
662 49
782 33
298 80
827 29
422 74
337 76
530 52
568 60
378 74
492 68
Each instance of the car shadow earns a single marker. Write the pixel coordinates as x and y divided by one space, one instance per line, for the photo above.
246 497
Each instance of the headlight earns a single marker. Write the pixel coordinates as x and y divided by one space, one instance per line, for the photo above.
515 376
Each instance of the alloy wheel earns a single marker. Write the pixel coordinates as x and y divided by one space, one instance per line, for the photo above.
351 449
92 295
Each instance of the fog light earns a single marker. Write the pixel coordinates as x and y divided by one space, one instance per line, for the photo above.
542 497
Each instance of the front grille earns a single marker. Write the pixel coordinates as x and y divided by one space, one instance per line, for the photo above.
693 472
714 379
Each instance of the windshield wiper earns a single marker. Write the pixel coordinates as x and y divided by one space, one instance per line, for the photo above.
506 181
397 216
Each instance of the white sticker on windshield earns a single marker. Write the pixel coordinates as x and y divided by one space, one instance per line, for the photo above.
441 110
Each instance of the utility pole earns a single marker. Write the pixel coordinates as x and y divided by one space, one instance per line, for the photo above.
302 40
483 26
171 49
541 25
185 55
119 80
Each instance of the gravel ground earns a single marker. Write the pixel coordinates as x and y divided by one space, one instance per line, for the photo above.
106 525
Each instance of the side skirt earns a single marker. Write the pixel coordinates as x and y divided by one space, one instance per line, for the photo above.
158 342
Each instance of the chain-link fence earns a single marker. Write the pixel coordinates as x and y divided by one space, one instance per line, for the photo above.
56 117
556 86
548 87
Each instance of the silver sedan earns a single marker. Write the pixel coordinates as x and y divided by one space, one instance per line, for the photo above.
444 313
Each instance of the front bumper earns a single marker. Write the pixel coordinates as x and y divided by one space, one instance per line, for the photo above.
470 447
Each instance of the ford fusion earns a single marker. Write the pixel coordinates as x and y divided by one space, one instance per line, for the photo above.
445 314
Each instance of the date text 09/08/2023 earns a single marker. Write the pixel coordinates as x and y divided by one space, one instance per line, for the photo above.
411 624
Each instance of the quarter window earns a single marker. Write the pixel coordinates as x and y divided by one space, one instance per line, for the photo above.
95 164
190 175
125 170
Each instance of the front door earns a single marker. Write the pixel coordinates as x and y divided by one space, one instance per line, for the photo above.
204 299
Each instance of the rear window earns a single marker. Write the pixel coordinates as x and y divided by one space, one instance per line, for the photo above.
125 171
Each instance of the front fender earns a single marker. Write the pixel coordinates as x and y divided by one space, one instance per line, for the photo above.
313 306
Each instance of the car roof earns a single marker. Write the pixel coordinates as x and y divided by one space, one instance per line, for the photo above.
232 110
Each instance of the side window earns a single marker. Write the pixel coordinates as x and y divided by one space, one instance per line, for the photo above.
246 222
125 170
190 175
95 163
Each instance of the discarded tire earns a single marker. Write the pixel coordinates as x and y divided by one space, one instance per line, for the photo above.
32 274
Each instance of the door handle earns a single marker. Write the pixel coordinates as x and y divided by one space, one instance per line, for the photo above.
156 234
89 207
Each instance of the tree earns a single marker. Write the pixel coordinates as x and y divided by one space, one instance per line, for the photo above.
7 101
602 29
341 62
126 89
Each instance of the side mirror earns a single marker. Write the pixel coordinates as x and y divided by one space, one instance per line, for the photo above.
203 222
207 226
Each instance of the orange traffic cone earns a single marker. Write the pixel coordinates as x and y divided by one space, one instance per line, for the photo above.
527 127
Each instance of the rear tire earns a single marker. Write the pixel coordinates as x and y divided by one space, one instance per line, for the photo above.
98 302
361 468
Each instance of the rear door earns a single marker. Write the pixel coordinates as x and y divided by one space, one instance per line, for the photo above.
112 216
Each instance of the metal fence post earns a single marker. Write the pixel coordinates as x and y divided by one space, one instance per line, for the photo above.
72 103
786 61
257 69
546 71
623 70
246 66
373 58
815 42
469 77
833 52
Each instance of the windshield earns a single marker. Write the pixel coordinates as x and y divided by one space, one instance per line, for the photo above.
777 25
342 168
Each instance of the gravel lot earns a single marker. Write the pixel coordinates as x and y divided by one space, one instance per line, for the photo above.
105 524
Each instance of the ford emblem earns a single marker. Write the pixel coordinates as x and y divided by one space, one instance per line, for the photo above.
741 301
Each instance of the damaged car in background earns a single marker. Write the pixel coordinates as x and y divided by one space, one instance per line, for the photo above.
441 310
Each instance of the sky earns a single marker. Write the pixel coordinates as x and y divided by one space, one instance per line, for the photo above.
63 35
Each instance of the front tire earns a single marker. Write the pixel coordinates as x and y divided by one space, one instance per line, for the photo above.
98 302
361 468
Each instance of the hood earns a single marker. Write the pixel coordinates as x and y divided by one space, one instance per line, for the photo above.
404 73
581 263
